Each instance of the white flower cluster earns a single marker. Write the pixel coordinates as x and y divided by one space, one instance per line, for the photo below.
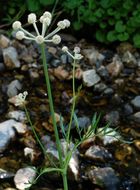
20 98
45 19
76 56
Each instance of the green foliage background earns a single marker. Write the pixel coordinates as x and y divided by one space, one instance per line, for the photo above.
109 20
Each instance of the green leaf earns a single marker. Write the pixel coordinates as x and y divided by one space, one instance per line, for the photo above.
111 21
46 2
111 36
33 5
123 36
103 25
100 36
136 40
77 25
119 27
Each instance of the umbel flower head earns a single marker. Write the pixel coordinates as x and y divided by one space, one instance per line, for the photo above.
76 55
20 98
45 19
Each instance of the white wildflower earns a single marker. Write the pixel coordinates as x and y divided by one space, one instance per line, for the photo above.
64 48
20 98
20 35
40 38
56 39
76 50
16 25
31 18
76 56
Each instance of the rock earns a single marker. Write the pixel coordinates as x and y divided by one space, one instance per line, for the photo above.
13 88
24 177
100 87
17 115
29 152
103 72
136 117
124 47
61 73
104 178
55 62
83 122
8 132
34 75
115 67
136 102
108 135
5 174
2 67
137 144
4 41
11 58
124 152
64 58
108 91
127 110
129 60
93 55
98 153
113 118
90 77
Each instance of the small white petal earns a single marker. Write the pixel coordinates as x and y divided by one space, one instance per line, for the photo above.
31 18
39 39
20 35
41 19
56 39
16 25
78 56
64 48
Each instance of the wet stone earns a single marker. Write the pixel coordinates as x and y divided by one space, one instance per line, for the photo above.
104 177
24 177
113 117
100 87
103 72
5 174
108 92
98 153
136 102
127 110
11 58
13 88
90 77
55 62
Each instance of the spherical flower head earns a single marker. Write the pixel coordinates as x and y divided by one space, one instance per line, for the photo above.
16 25
78 56
47 15
64 48
39 39
20 35
67 22
46 21
61 24
31 18
56 39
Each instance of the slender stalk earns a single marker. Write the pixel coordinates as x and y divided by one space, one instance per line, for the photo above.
58 144
73 102
65 182
32 127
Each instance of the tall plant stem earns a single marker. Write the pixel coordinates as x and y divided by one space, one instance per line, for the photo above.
58 144
73 102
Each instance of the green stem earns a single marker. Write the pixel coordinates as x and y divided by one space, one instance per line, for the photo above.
73 102
58 144
65 182
32 127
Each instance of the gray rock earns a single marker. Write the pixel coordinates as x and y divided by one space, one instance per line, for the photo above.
24 177
83 122
108 135
63 58
5 174
129 60
8 132
136 117
104 177
98 153
2 67
13 88
136 102
103 72
100 87
115 67
108 91
113 118
11 58
90 77
128 110
17 115
4 41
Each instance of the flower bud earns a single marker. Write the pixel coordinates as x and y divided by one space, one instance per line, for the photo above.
31 18
67 22
20 35
39 39
47 15
76 50
56 39
64 48
61 24
47 21
16 25
78 56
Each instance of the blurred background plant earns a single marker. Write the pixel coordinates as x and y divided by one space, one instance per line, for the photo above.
107 21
